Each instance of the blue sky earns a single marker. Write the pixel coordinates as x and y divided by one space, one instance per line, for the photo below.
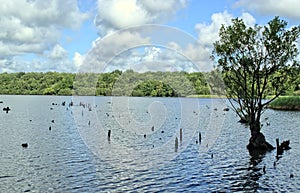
103 35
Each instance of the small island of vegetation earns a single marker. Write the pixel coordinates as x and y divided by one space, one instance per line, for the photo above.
291 103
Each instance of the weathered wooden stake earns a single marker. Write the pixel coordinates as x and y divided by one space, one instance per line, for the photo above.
108 135
180 135
278 148
176 144
199 137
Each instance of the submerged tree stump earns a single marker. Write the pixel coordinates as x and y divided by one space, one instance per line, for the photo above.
258 142
285 145
6 109
25 145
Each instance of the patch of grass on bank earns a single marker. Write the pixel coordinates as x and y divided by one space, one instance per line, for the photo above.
286 103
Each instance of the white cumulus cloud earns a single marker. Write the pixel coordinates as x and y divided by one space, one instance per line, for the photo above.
115 47
108 48
78 59
58 53
208 33
117 14
283 8
34 27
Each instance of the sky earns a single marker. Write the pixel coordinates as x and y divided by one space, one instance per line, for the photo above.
105 35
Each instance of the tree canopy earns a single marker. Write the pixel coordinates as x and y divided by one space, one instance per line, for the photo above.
116 83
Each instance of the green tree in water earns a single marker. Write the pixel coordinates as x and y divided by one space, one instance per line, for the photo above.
253 61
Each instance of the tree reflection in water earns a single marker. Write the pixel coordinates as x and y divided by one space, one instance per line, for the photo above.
249 181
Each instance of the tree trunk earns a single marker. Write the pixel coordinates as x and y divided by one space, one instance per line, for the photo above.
257 140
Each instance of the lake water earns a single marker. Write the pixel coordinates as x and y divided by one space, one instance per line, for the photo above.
69 149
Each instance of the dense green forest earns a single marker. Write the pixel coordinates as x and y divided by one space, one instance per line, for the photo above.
116 83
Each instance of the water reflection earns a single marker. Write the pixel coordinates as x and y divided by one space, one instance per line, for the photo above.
248 176
254 171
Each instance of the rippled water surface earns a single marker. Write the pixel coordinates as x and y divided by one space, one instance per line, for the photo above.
69 149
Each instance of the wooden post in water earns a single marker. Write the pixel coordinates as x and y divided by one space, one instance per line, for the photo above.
176 144
180 135
200 137
278 148
108 135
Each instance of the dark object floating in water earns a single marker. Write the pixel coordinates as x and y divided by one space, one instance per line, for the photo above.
6 177
6 109
1 101
52 121
25 145
50 128
226 109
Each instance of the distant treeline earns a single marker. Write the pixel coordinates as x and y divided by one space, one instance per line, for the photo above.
116 83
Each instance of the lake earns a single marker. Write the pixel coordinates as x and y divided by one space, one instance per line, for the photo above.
69 149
